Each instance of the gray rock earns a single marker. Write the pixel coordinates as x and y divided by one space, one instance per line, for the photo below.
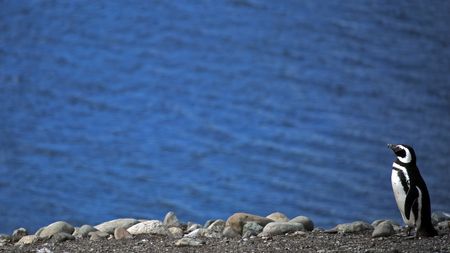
44 250
277 216
281 228
237 221
203 232
192 227
18 234
84 231
443 225
437 217
307 222
4 239
176 232
354 227
54 228
171 220
217 226
61 237
155 227
251 229
97 235
377 222
121 233
28 239
110 226
208 223
383 229
186 241
228 232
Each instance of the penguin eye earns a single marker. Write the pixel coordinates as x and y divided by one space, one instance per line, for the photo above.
400 153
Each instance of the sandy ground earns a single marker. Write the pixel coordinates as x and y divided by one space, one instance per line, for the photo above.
309 242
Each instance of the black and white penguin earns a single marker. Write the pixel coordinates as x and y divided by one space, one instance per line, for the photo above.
410 191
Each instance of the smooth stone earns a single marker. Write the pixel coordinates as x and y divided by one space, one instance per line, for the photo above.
251 229
192 227
4 239
18 233
353 227
437 217
217 226
28 239
110 226
228 232
121 233
84 231
377 222
208 223
443 225
238 220
277 216
54 228
307 222
171 220
281 228
383 229
203 232
97 235
61 237
186 241
149 227
176 232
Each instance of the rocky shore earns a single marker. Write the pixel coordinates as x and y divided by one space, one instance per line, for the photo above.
241 232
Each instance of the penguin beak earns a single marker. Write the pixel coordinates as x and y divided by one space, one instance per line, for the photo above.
393 147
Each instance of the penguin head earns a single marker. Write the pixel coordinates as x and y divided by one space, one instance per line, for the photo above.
404 153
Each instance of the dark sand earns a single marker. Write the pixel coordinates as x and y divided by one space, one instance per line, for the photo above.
310 242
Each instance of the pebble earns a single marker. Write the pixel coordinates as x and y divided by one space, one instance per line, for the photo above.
251 229
54 228
353 227
237 221
121 233
171 220
277 216
217 226
18 234
228 232
383 229
193 227
97 235
186 241
28 239
307 222
61 237
437 217
281 228
203 232
4 239
208 223
176 232
110 226
155 227
84 231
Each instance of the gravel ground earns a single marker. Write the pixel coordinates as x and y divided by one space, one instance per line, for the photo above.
309 242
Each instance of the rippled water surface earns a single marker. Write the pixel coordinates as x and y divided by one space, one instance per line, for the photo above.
208 108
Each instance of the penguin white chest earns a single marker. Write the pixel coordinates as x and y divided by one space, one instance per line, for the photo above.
399 177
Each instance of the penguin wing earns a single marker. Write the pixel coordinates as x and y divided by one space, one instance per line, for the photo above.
411 197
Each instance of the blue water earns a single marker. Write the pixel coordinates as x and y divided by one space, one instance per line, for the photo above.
114 109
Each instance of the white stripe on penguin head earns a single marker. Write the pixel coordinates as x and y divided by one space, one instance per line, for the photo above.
407 158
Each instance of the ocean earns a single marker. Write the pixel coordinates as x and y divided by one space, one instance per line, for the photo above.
114 109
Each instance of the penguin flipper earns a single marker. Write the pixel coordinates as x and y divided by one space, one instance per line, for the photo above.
411 197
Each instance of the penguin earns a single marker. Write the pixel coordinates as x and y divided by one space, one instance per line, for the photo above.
410 191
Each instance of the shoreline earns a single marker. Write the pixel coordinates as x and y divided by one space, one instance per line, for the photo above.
241 232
